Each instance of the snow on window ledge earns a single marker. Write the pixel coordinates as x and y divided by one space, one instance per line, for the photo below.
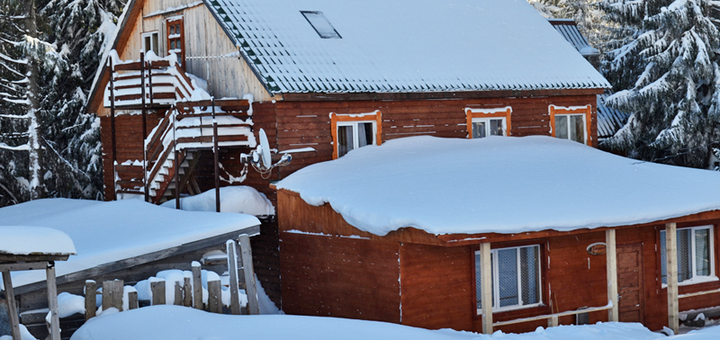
695 280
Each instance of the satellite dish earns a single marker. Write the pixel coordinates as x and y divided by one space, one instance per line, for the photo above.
264 150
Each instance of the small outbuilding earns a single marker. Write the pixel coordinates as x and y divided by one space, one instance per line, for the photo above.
498 233
33 248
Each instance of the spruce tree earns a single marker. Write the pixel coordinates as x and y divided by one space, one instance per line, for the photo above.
666 76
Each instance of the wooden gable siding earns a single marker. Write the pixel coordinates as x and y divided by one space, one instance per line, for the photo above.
307 124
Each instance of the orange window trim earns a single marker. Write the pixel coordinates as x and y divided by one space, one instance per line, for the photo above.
561 110
488 113
359 117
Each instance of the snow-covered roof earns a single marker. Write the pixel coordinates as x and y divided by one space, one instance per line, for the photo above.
106 232
402 46
21 240
569 30
500 184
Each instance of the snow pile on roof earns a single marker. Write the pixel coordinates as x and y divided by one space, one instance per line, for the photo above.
234 199
182 323
105 232
500 184
17 240
403 46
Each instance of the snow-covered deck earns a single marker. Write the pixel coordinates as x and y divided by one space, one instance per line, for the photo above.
108 232
500 184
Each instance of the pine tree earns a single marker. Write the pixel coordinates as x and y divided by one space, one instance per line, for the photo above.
666 76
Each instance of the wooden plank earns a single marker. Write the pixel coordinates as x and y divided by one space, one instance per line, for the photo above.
12 308
90 299
672 276
133 300
214 297
197 286
112 294
142 259
178 300
248 269
23 266
54 326
187 292
232 270
486 288
612 283
158 292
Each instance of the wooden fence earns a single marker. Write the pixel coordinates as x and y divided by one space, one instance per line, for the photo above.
190 294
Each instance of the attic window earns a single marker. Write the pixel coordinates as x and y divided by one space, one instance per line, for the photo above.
322 26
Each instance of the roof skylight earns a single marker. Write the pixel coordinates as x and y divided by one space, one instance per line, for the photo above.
322 26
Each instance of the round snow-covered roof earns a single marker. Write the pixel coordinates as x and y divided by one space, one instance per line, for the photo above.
22 240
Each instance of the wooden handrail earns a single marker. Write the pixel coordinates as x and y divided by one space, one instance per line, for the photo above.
551 316
682 296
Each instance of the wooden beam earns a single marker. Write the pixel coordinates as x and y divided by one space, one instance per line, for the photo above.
54 326
23 266
250 286
90 299
12 308
672 276
197 286
612 283
233 271
486 288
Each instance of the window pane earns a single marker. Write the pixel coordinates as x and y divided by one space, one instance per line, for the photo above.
172 29
561 129
147 46
508 277
345 140
529 275
478 129
683 254
155 46
702 252
577 128
365 134
496 127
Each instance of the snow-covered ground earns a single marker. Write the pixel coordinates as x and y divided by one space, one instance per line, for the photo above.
181 323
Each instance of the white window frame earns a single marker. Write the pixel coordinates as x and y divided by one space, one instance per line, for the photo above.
496 280
354 119
694 279
487 120
356 135
155 49
569 126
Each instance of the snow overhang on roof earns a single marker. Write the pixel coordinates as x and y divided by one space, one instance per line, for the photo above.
501 185
21 240
403 46
107 232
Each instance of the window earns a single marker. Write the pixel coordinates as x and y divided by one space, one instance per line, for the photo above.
352 131
488 122
175 38
150 42
322 26
515 278
694 255
571 122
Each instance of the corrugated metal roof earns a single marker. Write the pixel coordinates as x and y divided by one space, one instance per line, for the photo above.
568 29
609 119
403 46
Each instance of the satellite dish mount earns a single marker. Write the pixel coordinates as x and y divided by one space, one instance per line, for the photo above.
261 159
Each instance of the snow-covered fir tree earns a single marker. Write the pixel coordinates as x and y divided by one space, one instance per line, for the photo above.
589 16
48 144
667 77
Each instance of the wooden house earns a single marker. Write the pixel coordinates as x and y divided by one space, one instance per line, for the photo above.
323 77
499 233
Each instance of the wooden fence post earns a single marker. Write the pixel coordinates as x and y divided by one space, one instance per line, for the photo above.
158 292
214 297
197 286
112 294
232 270
250 286
178 294
672 276
187 292
12 308
133 300
90 299
54 326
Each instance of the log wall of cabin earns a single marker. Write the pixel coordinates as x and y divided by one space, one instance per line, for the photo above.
307 124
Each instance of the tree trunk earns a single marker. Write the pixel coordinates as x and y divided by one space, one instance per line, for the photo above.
37 186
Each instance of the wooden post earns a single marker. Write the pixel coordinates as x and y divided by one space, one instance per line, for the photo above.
112 294
612 284
144 125
90 299
250 286
12 308
197 286
486 288
216 153
177 159
672 276
112 125
553 321
133 300
54 326
187 293
158 292
178 301
214 297
232 270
